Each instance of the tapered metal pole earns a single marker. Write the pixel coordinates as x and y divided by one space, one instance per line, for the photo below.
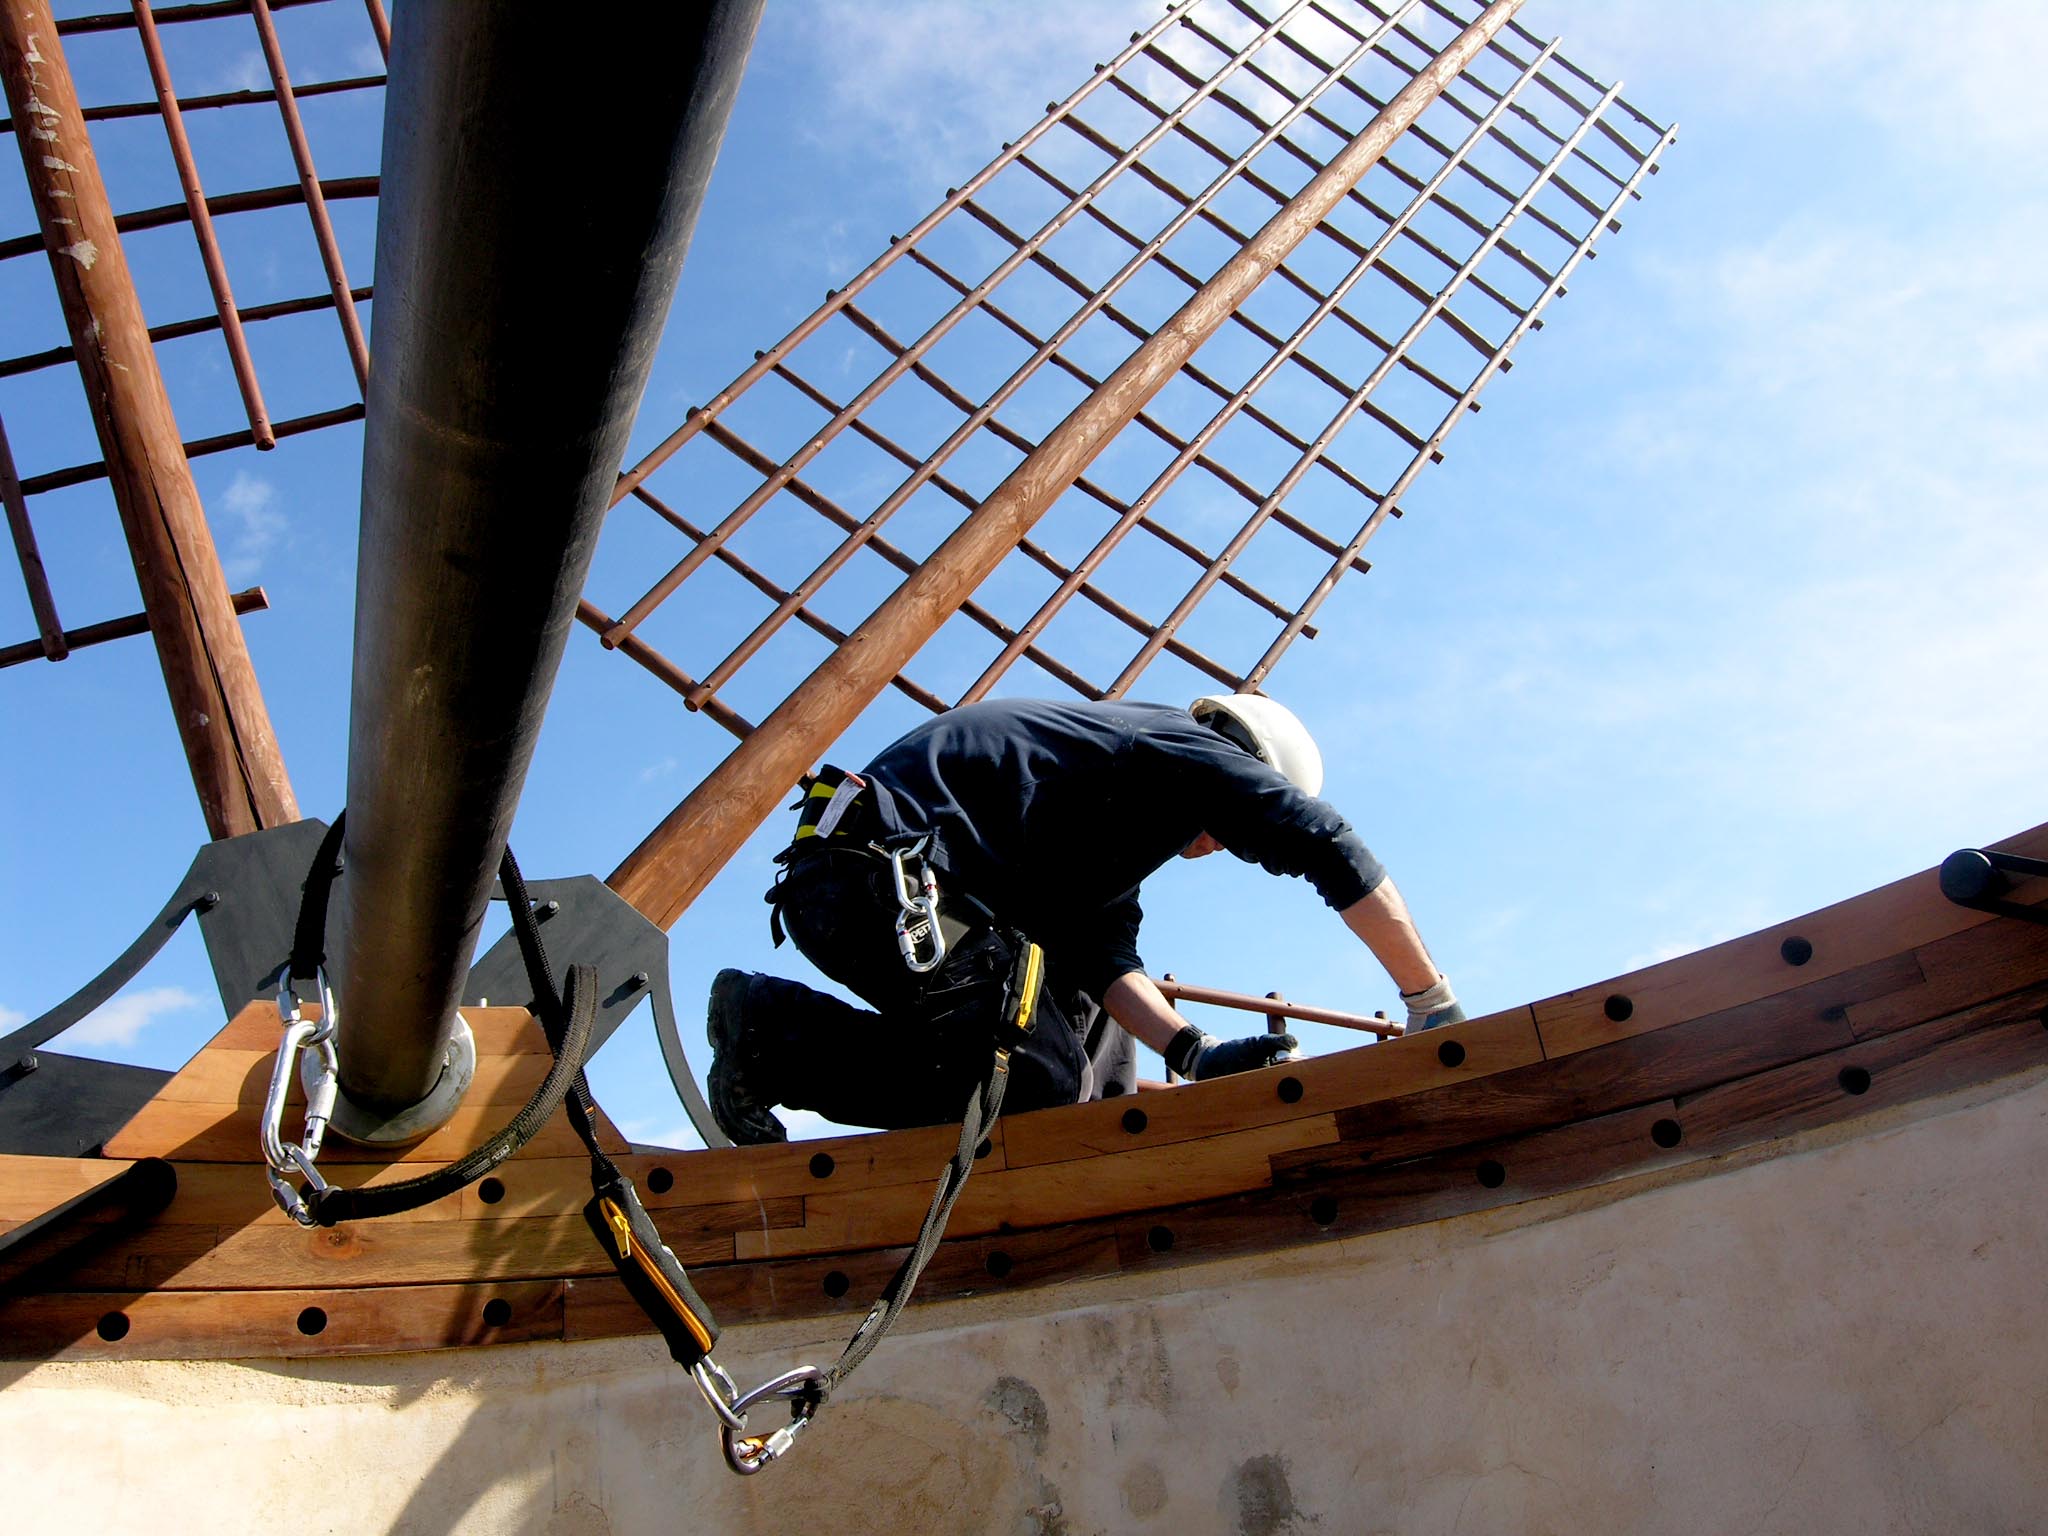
542 173
678 859
236 764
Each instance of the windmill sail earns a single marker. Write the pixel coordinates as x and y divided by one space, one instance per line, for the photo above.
1412 187
939 364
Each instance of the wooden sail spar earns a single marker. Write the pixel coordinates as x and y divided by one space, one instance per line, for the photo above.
237 766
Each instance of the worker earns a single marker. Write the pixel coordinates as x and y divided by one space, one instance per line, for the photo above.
1031 822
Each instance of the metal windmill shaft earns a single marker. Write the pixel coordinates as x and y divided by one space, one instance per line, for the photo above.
495 429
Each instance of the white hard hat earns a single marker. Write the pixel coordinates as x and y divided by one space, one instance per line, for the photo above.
1269 731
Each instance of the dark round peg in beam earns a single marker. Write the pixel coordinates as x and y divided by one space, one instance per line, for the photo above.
1969 875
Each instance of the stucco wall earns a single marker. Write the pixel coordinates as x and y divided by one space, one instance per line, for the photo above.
1843 1333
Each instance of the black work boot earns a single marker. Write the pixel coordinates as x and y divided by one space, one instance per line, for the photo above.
738 1103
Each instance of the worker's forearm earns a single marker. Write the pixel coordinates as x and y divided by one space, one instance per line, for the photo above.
1381 919
1141 1008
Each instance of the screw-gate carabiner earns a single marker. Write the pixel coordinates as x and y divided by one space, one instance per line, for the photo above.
917 916
748 1455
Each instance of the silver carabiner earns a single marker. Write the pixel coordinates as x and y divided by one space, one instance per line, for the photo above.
292 1201
749 1455
719 1391
285 1160
296 1033
917 916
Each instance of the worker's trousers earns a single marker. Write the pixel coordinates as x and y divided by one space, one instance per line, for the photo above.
919 1057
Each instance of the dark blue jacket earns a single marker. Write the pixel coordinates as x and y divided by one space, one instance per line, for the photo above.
1051 814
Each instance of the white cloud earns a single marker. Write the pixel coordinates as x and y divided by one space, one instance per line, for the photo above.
11 1018
1931 75
121 1020
246 71
660 770
941 85
254 525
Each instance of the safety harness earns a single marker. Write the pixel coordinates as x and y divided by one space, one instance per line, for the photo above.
653 1276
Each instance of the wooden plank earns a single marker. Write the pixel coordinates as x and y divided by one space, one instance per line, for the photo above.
560 1186
1979 1044
229 1325
1444 1184
498 1031
1682 1058
1196 1111
1893 919
211 1108
234 1195
1982 962
264 1254
1044 1194
235 1077
914 1157
174 1257
211 1133
29 1186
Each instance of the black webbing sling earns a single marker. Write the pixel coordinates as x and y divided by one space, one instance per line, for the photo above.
652 1274
567 1021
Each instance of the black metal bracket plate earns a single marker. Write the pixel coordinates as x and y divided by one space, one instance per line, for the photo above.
585 922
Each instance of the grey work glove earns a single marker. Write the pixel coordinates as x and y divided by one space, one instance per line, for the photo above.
1200 1057
1433 1006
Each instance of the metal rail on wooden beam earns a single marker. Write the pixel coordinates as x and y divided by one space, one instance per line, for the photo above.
678 859
1275 1007
237 767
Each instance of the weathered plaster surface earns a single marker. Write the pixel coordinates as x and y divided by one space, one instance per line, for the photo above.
1842 1334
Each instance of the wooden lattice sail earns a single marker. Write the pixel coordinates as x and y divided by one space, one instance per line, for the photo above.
1281 254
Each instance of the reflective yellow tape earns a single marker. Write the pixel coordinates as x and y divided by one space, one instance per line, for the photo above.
1034 969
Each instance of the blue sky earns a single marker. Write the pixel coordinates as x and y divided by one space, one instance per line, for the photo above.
1725 607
